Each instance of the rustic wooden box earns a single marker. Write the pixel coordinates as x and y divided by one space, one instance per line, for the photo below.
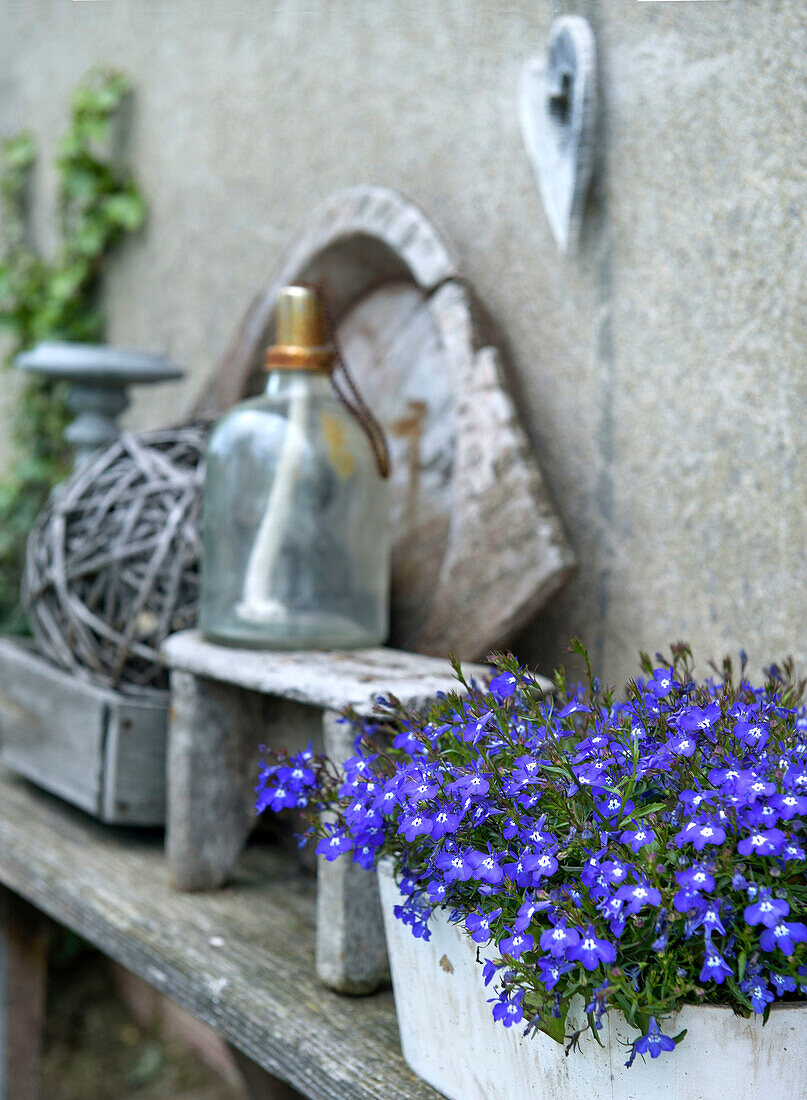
96 748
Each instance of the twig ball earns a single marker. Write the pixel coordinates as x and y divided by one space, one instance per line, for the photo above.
112 563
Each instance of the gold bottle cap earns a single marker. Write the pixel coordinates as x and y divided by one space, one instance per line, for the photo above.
301 332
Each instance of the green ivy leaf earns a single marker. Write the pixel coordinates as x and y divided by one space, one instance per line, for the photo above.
127 211
65 283
18 152
56 299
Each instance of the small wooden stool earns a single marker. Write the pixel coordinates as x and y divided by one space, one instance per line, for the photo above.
477 546
225 704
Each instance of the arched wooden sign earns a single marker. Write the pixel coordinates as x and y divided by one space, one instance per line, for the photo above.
478 547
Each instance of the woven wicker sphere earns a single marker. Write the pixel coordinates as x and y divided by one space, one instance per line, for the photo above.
113 560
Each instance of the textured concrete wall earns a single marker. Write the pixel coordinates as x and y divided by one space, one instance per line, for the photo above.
661 373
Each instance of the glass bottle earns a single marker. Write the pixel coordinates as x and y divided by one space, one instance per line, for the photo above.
296 539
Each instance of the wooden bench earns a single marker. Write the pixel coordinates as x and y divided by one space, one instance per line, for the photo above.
478 549
241 959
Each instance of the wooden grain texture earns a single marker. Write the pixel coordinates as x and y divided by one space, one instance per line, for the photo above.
214 752
331 680
351 947
64 755
99 749
241 959
477 546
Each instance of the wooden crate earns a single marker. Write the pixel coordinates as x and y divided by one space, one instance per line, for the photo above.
96 748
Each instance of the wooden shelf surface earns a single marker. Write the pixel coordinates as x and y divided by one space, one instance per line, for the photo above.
241 958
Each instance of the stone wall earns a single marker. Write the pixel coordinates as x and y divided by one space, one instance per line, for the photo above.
661 373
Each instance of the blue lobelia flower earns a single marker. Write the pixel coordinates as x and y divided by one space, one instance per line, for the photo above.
699 718
715 968
333 844
445 822
277 797
793 851
636 839
653 1042
558 940
591 951
699 834
695 878
662 683
757 992
766 910
614 807
364 855
436 890
525 914
785 935
710 919
782 983
413 825
753 734
486 867
574 707
516 944
475 728
765 842
789 805
508 1009
474 782
454 865
524 870
552 970
489 971
637 895
683 745
478 924
503 685
614 871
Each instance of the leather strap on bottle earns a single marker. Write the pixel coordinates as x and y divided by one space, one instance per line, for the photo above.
348 392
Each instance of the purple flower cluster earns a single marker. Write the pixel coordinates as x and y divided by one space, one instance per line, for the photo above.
642 853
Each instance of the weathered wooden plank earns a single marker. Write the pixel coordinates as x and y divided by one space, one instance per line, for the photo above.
134 761
241 959
214 751
97 748
330 680
51 728
351 947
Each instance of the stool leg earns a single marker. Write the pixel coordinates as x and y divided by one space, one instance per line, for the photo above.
259 1084
351 949
23 981
213 736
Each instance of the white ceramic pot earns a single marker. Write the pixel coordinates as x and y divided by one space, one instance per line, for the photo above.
450 1039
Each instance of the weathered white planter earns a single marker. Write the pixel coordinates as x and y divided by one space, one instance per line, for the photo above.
450 1039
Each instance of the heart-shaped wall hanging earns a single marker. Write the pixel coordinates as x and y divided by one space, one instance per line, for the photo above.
557 110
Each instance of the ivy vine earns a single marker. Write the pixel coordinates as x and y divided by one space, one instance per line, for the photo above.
58 298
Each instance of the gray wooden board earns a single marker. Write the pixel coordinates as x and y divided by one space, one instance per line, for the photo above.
331 680
51 730
240 959
97 748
